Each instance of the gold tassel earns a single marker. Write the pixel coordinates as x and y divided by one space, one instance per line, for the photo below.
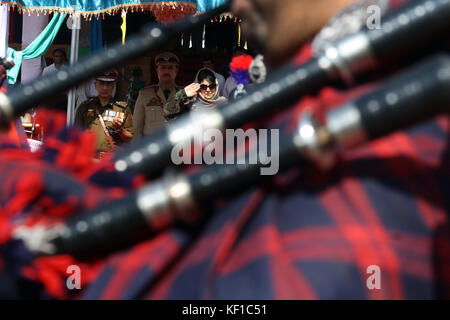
124 26
239 35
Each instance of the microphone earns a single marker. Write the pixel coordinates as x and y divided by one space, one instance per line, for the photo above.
152 37
406 99
404 29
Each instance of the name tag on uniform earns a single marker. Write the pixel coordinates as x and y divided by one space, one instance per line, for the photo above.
109 115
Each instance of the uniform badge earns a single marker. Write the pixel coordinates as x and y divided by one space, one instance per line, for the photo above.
109 115
153 102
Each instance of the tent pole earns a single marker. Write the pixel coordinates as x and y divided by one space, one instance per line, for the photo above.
5 30
73 59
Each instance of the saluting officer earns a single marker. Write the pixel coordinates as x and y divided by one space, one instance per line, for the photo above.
148 112
111 120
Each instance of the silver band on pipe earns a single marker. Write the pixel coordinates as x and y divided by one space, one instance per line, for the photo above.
314 142
164 201
349 56
344 125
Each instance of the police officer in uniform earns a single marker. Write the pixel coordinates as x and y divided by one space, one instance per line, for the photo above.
111 120
148 113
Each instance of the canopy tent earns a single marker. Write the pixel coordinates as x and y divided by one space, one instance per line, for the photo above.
164 11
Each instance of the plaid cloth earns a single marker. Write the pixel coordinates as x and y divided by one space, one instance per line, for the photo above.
311 234
58 180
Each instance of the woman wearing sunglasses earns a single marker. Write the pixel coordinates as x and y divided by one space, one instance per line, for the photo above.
203 94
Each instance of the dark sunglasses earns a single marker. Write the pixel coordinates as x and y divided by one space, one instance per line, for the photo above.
204 87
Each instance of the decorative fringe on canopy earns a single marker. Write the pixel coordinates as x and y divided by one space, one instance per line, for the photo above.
164 12
224 17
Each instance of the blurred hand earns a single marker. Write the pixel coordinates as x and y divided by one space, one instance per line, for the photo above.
117 122
192 90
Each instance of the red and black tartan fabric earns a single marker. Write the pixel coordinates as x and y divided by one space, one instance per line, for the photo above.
59 180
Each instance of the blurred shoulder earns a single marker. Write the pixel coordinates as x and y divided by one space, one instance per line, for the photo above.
86 103
149 90
150 87
222 100
121 104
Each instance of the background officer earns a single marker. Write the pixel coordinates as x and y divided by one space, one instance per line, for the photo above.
111 120
148 113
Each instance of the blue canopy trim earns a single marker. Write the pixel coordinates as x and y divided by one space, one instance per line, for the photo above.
164 11
205 5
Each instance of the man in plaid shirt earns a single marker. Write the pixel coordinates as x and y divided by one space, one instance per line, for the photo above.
374 227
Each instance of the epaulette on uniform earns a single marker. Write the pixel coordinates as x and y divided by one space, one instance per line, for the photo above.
150 86
121 104
87 102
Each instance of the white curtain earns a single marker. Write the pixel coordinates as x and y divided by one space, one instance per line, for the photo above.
4 27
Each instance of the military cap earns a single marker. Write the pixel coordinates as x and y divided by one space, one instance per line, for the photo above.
166 57
108 76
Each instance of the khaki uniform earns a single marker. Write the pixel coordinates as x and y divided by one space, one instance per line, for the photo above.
86 116
148 112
